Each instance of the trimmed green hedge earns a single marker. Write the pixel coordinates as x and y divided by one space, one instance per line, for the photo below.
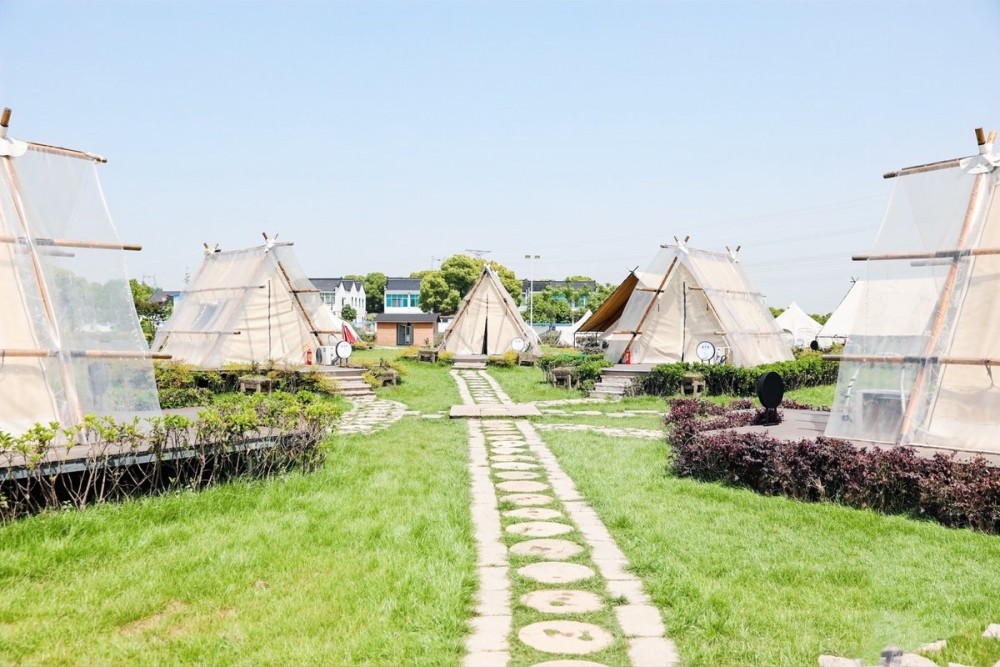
809 370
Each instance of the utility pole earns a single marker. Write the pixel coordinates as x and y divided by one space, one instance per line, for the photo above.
478 254
531 288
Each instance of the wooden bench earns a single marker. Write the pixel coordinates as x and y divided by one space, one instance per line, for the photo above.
563 377
427 355
526 359
256 383
388 376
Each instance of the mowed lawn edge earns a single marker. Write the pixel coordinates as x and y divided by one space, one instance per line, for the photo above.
369 560
744 579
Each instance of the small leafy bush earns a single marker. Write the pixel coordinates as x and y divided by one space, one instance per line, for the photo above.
506 360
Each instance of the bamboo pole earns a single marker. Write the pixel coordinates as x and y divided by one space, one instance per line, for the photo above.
947 292
68 152
23 353
922 168
913 359
938 254
71 243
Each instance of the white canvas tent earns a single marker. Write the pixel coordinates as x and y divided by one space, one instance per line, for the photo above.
488 321
70 339
245 306
934 386
901 306
684 297
797 328
567 336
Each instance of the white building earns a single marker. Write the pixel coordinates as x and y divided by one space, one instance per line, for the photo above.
402 295
337 293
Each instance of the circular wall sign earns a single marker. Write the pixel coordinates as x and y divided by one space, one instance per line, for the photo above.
344 350
517 344
705 350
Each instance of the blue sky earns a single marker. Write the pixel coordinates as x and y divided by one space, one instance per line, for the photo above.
378 136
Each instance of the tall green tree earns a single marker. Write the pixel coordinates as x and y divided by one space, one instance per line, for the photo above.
442 290
374 284
151 315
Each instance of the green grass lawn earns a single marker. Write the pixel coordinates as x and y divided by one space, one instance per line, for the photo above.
368 561
744 579
424 386
527 383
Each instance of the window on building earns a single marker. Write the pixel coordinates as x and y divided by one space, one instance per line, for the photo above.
415 300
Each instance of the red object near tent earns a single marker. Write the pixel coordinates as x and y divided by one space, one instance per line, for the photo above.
349 334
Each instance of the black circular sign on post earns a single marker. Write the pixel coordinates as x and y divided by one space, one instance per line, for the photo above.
770 391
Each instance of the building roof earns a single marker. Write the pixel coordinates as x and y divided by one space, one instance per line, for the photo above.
331 284
402 284
390 318
540 285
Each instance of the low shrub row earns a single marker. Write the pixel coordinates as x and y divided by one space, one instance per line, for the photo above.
892 481
102 459
809 370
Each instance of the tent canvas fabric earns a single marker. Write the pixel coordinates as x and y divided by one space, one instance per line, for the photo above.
567 336
488 321
933 383
902 306
687 296
70 343
246 306
797 328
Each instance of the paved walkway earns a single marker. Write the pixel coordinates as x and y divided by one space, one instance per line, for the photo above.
369 414
550 523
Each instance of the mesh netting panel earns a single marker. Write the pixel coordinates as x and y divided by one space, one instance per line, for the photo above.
923 309
72 302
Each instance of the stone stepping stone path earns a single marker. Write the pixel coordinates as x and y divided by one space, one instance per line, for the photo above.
521 497
369 414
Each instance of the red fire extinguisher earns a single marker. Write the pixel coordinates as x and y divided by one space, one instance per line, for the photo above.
628 355
309 356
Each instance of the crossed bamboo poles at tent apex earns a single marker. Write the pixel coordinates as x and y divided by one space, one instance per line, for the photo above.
31 244
956 255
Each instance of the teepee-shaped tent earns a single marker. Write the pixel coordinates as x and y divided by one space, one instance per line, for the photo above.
488 321
934 384
246 306
797 328
683 298
901 307
70 340
568 336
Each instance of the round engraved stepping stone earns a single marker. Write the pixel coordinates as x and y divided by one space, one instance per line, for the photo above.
539 528
522 486
556 573
525 499
537 513
513 457
569 663
518 474
563 601
570 637
514 465
553 549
